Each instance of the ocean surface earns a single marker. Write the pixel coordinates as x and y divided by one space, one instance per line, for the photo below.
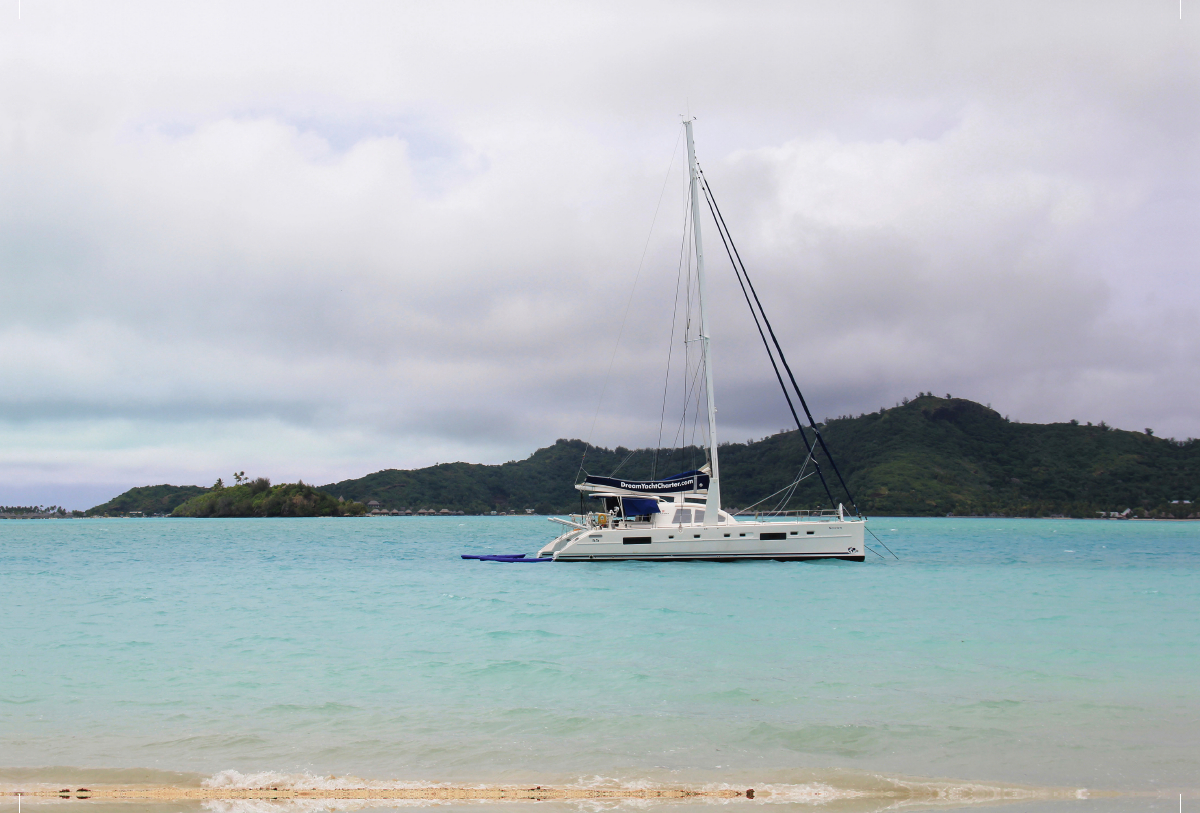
1057 655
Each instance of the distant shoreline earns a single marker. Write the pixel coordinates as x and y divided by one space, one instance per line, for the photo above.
536 516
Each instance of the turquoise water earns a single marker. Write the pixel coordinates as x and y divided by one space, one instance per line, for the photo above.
1055 653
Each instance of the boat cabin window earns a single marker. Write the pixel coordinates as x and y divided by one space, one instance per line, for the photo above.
699 516
682 516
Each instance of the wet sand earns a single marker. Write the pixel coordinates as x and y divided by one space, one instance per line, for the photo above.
437 792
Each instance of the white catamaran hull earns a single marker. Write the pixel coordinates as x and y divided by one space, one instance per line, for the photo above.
842 539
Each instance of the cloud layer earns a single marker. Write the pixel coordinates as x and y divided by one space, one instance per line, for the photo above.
313 241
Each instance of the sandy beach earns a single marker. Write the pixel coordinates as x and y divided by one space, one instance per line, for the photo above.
437 792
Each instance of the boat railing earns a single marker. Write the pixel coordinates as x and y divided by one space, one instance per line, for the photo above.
592 520
816 515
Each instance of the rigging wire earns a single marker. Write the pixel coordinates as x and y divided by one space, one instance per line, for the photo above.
613 473
628 302
769 496
723 230
880 541
680 436
782 505
727 242
696 423
692 317
681 430
811 421
671 343
687 327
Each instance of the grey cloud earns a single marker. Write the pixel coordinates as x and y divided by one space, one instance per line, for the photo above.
141 409
393 235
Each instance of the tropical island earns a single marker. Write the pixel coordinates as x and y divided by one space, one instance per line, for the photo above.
258 498
928 456
245 498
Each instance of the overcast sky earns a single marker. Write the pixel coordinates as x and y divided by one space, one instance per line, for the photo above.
314 240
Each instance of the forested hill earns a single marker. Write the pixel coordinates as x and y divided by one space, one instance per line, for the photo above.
929 456
148 500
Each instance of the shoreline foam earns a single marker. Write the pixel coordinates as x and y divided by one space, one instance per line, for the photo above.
870 790
412 792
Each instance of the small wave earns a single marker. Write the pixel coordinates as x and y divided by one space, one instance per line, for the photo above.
834 785
232 791
876 791
63 775
304 781
310 805
598 782
808 793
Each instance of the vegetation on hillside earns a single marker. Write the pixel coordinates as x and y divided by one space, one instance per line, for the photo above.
148 500
928 456
258 498
36 511
924 457
949 455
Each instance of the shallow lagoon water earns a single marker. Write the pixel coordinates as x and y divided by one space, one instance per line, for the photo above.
1054 653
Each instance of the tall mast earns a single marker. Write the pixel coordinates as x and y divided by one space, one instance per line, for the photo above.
713 505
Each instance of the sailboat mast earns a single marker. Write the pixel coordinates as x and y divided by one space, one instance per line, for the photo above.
713 505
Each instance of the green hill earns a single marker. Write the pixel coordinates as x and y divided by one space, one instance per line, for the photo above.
929 456
949 455
258 498
148 500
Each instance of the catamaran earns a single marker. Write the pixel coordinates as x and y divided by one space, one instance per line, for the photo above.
681 517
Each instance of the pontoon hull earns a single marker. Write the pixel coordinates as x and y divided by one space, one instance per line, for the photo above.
842 539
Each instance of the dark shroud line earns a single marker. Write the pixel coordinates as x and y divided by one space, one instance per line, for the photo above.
778 377
731 249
